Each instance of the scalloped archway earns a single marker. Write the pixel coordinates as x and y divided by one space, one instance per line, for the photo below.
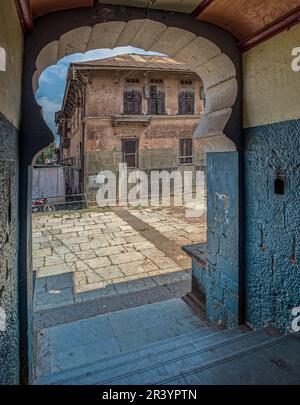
204 57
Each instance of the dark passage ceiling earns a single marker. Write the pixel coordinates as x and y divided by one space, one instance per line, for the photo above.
250 21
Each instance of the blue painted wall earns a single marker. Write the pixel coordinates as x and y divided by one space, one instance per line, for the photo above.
272 244
222 272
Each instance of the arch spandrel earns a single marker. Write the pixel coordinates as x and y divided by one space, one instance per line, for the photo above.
205 58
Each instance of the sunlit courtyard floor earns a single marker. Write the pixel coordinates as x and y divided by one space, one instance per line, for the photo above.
82 256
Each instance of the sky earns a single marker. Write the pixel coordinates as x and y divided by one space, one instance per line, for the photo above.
53 80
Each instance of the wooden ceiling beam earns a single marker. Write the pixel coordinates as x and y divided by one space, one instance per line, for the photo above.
25 15
26 19
271 30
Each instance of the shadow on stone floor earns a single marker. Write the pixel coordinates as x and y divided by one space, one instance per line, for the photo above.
59 290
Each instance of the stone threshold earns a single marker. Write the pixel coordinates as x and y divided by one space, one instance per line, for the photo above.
196 251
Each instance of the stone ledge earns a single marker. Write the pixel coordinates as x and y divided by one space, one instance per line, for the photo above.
129 119
146 119
197 252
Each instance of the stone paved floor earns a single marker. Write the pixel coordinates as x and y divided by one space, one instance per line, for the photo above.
75 344
172 223
86 255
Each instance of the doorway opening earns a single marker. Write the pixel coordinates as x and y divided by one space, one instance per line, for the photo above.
220 72
93 257
130 152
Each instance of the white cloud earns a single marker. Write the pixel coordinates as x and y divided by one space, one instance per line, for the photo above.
49 104
49 108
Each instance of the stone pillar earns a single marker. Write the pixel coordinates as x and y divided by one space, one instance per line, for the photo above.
223 246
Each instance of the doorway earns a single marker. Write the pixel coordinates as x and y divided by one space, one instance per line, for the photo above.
162 36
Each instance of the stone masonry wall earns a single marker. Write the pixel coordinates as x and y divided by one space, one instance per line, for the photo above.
11 39
9 338
271 119
272 224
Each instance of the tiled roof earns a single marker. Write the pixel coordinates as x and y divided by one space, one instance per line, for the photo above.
137 61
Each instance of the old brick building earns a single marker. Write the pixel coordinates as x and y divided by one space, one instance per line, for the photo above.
247 54
141 110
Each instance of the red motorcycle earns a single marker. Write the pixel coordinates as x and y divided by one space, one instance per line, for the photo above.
42 205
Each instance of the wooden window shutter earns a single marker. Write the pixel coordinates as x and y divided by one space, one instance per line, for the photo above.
127 102
156 101
161 102
182 103
152 101
186 151
190 102
137 102
132 101
130 152
186 102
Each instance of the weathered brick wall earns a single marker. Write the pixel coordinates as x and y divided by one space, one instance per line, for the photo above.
158 146
104 93
158 143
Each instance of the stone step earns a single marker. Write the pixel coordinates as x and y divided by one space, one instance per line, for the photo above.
142 361
80 343
275 361
159 369
130 356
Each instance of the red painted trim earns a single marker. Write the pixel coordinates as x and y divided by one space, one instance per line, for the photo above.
202 6
275 28
25 15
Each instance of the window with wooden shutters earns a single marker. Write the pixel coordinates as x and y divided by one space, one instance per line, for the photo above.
186 151
130 152
156 101
186 101
132 101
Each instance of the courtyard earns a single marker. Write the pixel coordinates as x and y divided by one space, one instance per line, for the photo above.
104 254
